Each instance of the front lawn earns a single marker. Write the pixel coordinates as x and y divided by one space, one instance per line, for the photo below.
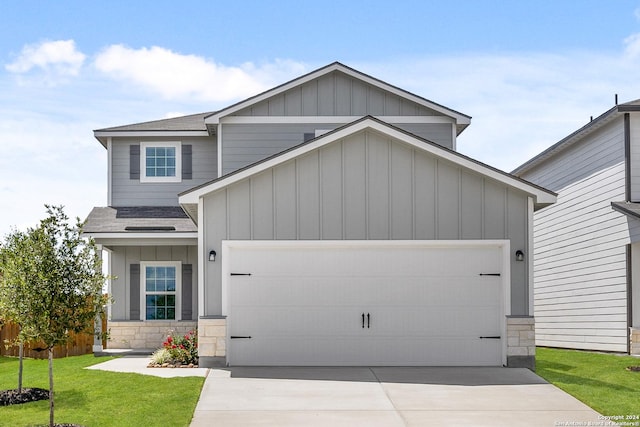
597 379
98 398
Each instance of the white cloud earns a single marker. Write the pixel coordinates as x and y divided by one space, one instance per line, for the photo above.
177 76
632 46
56 57
520 103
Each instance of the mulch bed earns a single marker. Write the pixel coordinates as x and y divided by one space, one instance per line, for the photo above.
633 368
12 397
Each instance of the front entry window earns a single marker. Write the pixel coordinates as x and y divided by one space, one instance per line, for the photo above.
161 291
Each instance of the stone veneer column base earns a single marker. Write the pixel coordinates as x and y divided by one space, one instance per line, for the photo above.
138 334
634 338
521 342
212 341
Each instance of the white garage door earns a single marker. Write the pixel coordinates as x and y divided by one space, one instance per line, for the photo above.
389 304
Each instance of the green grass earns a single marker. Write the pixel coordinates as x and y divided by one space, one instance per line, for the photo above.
98 398
597 379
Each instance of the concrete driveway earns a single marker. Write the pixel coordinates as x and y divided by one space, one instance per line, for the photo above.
268 396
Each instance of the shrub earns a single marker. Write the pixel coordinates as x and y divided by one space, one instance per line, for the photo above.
161 356
183 349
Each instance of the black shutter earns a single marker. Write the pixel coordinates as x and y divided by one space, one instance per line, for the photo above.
134 162
187 291
134 292
186 162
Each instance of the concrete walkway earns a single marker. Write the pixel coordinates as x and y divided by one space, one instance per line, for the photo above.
137 364
247 396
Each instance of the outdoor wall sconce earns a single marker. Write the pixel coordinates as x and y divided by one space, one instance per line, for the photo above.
212 256
519 255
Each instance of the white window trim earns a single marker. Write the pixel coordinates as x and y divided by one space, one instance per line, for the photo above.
143 161
143 288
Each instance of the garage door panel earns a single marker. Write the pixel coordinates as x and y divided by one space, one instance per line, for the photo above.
380 351
435 262
295 322
303 305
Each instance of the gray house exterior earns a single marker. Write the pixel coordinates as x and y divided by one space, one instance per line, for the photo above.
327 221
587 250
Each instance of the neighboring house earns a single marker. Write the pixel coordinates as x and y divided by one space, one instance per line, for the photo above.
587 245
327 221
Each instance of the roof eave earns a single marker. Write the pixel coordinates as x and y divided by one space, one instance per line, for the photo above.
569 140
542 197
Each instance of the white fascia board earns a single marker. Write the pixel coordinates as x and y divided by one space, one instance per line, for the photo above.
332 119
144 239
152 133
541 196
460 118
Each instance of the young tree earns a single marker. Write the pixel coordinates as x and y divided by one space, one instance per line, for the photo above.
14 269
61 279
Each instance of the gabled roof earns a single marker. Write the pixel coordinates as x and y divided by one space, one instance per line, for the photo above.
192 124
190 198
462 120
575 137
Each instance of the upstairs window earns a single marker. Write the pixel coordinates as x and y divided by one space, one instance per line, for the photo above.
160 162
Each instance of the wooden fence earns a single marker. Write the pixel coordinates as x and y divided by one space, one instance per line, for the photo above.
77 345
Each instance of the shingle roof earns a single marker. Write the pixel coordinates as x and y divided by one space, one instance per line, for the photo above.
138 219
192 122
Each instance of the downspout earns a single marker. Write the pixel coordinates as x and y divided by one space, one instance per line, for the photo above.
627 157
627 195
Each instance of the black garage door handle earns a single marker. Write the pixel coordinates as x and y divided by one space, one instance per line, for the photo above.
234 337
490 338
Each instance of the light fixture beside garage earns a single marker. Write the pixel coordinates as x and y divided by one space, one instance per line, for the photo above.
519 255
212 255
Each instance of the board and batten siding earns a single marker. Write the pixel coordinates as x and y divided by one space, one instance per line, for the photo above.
131 192
580 246
123 256
245 144
365 187
336 94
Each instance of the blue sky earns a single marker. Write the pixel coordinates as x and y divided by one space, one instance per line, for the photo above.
528 72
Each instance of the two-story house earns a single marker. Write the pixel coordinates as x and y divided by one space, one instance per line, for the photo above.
327 221
587 245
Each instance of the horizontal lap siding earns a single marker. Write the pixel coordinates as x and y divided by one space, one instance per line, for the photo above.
580 246
367 187
245 144
131 192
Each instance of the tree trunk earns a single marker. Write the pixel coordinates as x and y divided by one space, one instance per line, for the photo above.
20 356
51 387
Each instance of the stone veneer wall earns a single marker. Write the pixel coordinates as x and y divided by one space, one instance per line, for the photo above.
521 342
212 341
634 337
145 335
